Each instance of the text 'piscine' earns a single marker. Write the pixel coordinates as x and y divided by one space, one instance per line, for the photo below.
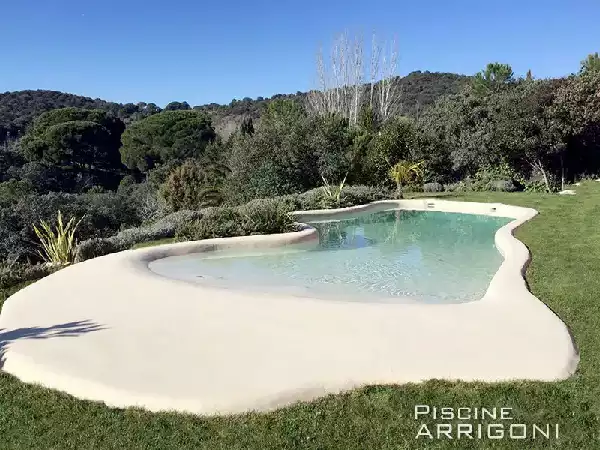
477 423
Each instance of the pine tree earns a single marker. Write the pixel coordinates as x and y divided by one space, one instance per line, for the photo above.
529 76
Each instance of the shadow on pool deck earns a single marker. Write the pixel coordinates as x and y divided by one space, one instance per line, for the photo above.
69 329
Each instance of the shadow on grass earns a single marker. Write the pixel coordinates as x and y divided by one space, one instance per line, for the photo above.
68 329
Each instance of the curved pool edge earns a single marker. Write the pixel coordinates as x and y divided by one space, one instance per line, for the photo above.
509 334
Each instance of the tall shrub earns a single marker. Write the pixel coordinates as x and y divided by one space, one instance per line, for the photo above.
190 186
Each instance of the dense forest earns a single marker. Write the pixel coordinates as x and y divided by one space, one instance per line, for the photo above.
18 109
135 172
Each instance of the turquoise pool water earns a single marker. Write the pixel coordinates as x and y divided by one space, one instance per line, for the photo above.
390 256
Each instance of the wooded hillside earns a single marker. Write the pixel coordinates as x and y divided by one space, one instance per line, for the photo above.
19 108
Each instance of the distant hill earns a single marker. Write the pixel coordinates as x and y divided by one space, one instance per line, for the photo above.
418 90
19 108
421 89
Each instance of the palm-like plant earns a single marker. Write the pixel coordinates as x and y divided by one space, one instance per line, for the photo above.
58 243
404 172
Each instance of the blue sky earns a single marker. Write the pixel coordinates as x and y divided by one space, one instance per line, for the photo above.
202 52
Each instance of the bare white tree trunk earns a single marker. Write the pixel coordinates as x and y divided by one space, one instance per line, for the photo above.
546 180
356 82
388 98
318 100
537 165
341 80
374 69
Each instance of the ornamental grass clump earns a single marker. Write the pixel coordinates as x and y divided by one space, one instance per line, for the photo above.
58 244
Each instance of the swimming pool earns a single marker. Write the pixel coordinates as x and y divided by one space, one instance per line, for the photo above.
165 344
387 256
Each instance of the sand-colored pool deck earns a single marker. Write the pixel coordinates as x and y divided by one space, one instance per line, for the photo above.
111 330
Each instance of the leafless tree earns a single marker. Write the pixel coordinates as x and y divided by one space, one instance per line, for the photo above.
385 95
374 70
341 80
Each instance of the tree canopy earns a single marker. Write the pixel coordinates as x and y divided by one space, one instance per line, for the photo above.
80 141
494 77
590 64
18 109
178 106
167 136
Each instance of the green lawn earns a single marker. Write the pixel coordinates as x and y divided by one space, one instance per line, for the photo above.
565 273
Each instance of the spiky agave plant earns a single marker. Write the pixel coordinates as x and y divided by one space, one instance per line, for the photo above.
58 243
333 194
403 172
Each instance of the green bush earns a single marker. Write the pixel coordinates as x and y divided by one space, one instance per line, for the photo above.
216 222
587 177
14 273
461 186
503 186
351 196
126 182
189 187
534 186
433 187
361 195
103 215
487 180
92 248
312 199
96 190
12 191
292 202
317 199
144 198
267 216
280 157
496 178
257 217
261 216
126 239
410 188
